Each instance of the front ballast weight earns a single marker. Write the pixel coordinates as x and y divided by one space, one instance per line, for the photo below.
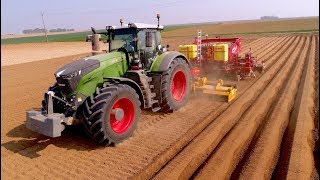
49 125
47 122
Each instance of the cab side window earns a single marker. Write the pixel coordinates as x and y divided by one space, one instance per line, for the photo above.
158 38
142 40
151 40
147 46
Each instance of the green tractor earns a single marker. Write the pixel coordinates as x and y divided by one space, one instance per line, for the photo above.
105 92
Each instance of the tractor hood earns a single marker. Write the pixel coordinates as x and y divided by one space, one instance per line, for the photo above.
68 76
86 65
79 67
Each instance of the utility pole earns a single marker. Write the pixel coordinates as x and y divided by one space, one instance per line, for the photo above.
44 26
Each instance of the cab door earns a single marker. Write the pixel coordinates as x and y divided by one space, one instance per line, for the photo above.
147 46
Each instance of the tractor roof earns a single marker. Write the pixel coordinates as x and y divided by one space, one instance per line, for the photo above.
137 25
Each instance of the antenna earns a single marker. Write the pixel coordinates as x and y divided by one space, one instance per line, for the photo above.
44 26
158 17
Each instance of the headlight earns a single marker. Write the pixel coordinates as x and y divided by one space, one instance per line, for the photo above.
74 74
79 99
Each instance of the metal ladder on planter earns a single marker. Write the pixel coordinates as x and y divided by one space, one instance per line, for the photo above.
199 45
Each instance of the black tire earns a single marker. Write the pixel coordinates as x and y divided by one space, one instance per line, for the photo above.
97 118
58 106
169 103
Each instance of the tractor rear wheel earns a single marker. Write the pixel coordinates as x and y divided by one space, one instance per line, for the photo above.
176 85
111 114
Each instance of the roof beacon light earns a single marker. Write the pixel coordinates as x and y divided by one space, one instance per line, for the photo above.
121 21
158 17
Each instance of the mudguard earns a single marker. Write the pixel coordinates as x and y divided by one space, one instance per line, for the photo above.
129 82
163 61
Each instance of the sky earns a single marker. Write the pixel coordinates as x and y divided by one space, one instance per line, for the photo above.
17 15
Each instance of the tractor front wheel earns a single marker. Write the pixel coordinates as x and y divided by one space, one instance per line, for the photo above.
111 114
176 85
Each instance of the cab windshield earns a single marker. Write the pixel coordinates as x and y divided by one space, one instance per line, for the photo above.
123 38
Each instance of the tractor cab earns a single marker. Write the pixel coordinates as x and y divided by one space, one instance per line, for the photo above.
140 42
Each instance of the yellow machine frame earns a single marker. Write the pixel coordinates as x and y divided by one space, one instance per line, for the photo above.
219 89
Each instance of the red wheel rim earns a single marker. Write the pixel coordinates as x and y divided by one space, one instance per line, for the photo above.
178 85
122 125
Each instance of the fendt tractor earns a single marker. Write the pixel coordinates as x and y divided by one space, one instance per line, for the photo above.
105 92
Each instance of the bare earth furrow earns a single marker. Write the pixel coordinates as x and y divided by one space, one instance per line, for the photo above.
280 43
301 162
183 165
228 153
256 43
255 49
268 44
263 157
162 159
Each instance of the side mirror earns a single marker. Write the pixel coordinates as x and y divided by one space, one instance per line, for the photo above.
93 30
148 39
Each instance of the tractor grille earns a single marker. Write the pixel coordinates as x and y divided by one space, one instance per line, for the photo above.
67 84
69 75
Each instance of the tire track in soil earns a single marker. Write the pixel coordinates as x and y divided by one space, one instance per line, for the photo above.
225 157
261 156
160 161
296 158
183 165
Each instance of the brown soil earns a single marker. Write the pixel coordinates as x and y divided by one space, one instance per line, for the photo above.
165 146
299 140
261 157
206 142
21 53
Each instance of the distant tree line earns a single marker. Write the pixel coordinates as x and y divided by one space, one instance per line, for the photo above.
30 31
269 17
41 30
60 30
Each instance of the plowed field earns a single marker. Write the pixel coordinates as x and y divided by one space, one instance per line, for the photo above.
268 131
